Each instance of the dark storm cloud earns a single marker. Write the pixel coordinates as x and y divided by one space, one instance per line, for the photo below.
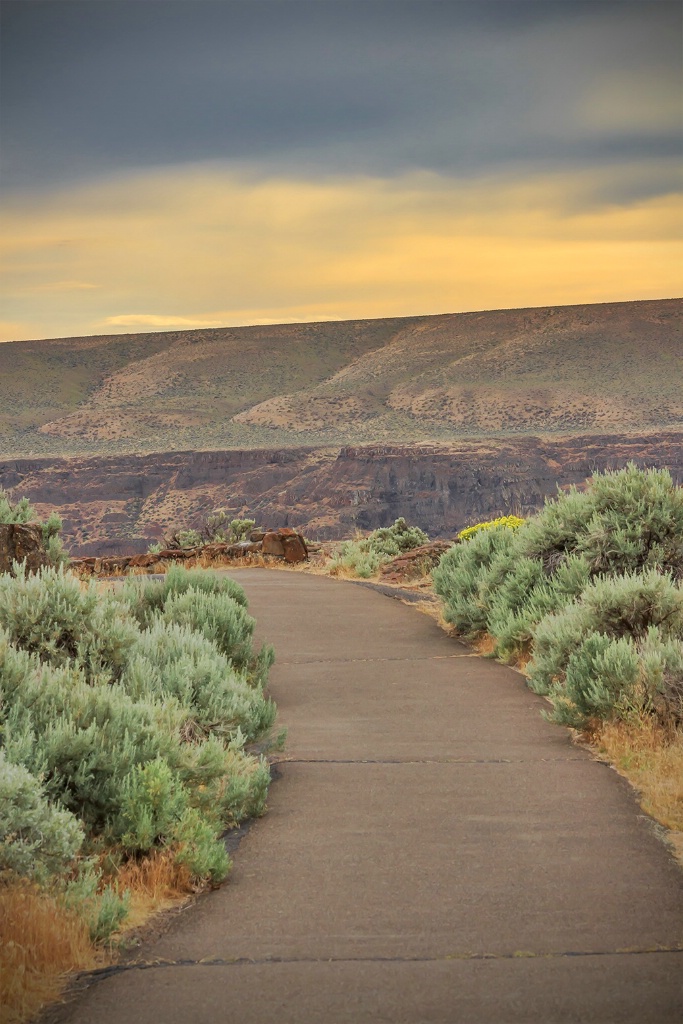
362 87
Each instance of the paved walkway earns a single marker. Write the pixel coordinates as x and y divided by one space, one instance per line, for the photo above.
434 851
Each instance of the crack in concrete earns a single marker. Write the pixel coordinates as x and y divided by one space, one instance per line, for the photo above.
428 760
102 973
352 661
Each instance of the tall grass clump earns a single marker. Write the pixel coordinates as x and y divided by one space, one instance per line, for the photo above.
587 594
124 723
363 556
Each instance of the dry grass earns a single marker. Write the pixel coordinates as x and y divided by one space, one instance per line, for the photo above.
40 944
651 758
155 884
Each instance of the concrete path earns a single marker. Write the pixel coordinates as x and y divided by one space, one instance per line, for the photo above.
434 851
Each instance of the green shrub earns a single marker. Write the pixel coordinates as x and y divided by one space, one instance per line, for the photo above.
52 615
147 597
170 660
611 677
189 538
524 594
239 528
200 848
37 838
152 802
223 622
101 906
217 528
21 512
661 672
626 520
600 679
615 606
467 575
134 708
590 587
363 556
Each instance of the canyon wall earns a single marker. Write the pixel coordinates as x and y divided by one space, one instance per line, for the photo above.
118 504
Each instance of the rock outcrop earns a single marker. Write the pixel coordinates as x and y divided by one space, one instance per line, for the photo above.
285 544
413 564
22 542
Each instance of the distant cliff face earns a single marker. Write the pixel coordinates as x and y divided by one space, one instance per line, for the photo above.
118 504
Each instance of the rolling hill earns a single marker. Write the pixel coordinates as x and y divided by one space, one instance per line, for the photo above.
551 371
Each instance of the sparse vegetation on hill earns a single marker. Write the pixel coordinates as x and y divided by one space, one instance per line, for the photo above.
124 720
602 368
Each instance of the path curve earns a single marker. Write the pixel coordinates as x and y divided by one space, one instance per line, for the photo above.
434 851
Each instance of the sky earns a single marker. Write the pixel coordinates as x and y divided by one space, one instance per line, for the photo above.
190 163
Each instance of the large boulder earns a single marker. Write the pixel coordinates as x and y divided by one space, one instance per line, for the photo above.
285 543
22 542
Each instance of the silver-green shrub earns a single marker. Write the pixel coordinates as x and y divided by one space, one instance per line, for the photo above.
146 597
626 520
591 588
51 614
468 574
615 606
364 556
172 660
38 839
134 708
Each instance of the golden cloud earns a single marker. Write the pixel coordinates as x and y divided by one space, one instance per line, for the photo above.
202 246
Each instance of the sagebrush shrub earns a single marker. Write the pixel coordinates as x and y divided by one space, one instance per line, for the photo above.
590 588
146 597
37 838
134 708
363 556
616 606
153 800
223 622
609 677
171 660
467 572
661 673
23 512
525 594
51 614
600 679
626 520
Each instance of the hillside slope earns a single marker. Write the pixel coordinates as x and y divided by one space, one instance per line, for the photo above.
602 368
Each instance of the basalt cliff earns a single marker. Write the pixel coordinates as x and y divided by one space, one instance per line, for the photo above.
118 504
